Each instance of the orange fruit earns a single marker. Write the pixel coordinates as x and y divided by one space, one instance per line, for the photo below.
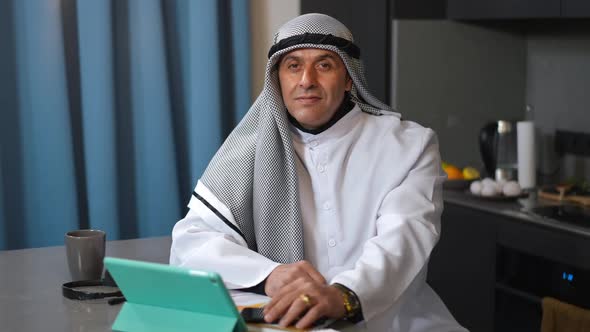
453 172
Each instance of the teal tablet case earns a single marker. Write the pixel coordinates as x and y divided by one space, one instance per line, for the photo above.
166 298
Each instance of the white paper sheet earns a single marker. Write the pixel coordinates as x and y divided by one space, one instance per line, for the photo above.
243 299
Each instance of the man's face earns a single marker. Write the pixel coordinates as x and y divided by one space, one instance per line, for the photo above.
313 83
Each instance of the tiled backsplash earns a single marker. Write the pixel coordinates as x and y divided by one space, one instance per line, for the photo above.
454 77
557 87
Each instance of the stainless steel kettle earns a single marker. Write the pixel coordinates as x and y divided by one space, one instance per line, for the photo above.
497 145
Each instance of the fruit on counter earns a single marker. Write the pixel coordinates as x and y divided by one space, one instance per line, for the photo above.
453 172
470 173
490 188
456 173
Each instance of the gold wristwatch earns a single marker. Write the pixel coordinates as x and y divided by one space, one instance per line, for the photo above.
351 302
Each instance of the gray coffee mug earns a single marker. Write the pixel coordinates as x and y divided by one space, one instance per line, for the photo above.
85 249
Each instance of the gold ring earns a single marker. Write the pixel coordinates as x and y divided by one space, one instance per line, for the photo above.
306 299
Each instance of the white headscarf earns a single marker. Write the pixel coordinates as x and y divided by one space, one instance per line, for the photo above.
253 173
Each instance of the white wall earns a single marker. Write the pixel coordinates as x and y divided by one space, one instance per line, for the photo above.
266 18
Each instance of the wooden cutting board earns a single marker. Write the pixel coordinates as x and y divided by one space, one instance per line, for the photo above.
563 196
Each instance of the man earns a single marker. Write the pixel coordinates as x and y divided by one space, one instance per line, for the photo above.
322 195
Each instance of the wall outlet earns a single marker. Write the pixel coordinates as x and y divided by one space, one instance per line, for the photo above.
567 142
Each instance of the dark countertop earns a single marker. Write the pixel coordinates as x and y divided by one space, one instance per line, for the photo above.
517 209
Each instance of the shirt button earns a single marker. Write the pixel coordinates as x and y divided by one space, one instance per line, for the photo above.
332 243
321 168
313 143
327 206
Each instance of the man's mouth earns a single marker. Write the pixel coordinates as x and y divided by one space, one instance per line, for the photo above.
308 99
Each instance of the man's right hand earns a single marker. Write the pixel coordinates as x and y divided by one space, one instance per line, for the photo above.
287 273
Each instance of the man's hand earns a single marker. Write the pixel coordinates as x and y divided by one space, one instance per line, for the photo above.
288 304
283 275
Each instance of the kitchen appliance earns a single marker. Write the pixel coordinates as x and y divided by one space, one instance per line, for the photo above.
497 144
524 279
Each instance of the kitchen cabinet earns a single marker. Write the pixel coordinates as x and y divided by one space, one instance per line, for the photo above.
575 8
418 9
503 9
516 9
462 266
492 267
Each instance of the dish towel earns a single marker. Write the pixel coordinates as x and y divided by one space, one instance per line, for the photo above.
560 317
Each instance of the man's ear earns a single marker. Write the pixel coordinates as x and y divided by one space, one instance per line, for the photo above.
348 83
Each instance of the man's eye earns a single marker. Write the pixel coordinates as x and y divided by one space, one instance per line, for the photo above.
293 66
325 65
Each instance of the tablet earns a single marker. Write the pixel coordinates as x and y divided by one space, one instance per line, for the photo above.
161 297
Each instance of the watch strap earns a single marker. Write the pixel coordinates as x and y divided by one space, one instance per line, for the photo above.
351 303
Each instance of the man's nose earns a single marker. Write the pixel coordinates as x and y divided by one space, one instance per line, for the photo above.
308 78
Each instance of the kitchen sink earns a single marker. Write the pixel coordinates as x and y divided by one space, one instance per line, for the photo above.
571 214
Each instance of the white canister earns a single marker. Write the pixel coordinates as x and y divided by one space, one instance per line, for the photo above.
527 166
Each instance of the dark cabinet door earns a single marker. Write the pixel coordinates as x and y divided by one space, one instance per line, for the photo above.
414 9
575 8
462 266
503 9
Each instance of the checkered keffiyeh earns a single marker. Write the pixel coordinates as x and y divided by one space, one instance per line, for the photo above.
253 173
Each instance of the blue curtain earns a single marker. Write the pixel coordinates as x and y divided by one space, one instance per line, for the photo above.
110 111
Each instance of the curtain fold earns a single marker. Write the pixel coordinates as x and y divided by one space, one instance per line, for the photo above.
150 108
241 56
2 209
205 93
50 203
111 110
98 113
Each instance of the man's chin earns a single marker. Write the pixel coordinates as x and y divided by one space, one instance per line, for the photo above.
311 125
308 116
